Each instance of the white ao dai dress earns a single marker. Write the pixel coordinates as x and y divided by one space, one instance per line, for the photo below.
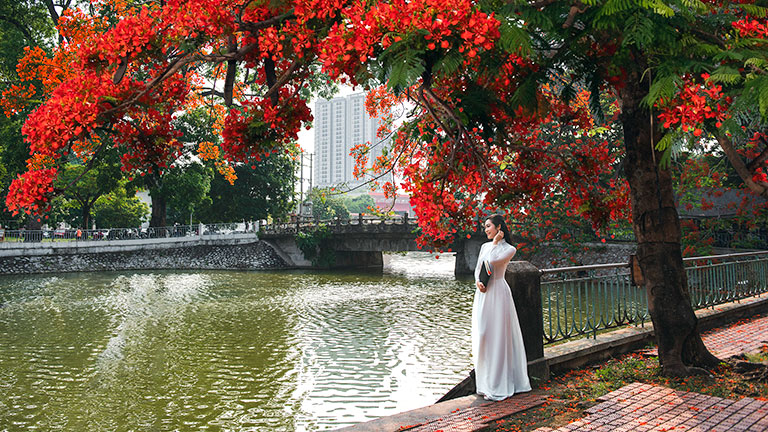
497 343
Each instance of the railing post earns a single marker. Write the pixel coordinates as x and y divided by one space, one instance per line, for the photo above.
524 281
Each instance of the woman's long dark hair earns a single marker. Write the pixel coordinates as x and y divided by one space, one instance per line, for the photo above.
498 220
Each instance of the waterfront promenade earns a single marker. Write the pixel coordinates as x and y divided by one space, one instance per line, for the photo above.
635 407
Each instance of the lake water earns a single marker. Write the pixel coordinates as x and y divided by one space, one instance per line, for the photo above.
230 350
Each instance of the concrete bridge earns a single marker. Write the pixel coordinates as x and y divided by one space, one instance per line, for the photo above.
360 242
357 243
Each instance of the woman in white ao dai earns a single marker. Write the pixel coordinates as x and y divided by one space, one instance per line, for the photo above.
497 342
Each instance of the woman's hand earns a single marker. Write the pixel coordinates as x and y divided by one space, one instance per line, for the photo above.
498 237
481 286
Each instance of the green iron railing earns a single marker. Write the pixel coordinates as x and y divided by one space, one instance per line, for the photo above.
724 278
585 300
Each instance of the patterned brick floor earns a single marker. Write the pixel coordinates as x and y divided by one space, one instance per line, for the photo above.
477 418
643 407
742 337
746 336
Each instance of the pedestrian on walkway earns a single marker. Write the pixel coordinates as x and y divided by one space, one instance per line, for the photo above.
497 343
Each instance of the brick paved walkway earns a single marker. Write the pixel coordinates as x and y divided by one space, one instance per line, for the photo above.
643 407
478 417
742 337
746 336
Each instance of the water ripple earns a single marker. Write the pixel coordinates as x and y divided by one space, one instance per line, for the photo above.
257 351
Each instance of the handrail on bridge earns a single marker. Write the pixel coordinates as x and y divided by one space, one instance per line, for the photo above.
298 223
104 234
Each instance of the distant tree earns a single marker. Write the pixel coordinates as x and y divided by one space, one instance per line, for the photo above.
358 204
263 189
22 24
13 154
183 189
83 187
326 205
120 209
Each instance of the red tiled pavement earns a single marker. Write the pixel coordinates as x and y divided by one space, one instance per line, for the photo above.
742 337
643 407
477 418
746 336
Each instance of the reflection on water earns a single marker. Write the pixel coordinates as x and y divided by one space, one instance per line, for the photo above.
225 350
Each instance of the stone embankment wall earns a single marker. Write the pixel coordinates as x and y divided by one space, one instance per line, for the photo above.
236 255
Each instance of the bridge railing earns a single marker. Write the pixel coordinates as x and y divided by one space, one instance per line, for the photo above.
309 223
579 301
107 234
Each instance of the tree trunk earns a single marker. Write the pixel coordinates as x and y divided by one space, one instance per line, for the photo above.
86 215
32 227
158 209
657 227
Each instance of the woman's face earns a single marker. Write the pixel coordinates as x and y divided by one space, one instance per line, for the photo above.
490 229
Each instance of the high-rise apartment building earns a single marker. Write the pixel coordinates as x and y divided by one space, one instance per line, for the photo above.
341 124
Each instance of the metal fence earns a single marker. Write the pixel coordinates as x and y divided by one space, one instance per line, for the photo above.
80 235
584 300
310 223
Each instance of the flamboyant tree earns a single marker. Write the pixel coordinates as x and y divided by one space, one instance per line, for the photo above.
493 84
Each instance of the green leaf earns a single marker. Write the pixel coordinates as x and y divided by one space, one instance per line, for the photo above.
450 63
665 142
663 87
695 5
661 9
755 62
726 75
752 9
514 38
763 96
666 158
405 68
525 95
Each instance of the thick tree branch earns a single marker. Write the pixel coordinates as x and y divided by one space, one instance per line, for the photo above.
539 4
709 37
212 92
760 159
52 11
284 78
741 169
229 80
269 73
576 8
254 27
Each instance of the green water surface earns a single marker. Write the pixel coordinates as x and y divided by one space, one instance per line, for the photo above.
228 350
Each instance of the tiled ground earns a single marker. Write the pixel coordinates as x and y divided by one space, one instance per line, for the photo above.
476 418
643 407
745 336
748 336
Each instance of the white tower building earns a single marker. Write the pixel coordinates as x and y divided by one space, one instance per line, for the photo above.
341 124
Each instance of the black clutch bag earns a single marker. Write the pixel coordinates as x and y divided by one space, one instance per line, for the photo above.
485 272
